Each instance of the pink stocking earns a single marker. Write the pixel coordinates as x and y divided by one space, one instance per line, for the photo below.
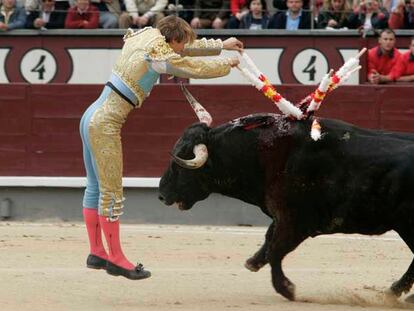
111 231
93 227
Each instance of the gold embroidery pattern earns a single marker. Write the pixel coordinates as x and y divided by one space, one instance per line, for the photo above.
131 33
187 67
105 139
161 51
130 79
203 47
131 64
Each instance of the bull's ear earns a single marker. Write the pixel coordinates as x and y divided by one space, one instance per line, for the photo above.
201 113
201 156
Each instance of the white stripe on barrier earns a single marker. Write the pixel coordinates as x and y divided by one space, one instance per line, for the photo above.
72 182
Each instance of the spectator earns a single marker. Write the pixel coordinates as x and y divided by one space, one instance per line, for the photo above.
109 13
354 4
390 5
294 18
334 14
382 58
238 8
257 17
11 16
369 15
60 5
184 8
47 17
83 15
403 15
403 71
142 13
270 8
210 14
281 5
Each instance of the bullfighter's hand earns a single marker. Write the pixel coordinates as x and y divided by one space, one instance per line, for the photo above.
234 61
233 44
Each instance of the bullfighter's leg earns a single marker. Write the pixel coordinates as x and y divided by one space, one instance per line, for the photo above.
104 130
284 241
259 259
404 284
97 258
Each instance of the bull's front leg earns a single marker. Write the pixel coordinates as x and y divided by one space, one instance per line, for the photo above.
284 241
259 259
404 284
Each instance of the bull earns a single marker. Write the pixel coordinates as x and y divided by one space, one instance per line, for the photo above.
352 180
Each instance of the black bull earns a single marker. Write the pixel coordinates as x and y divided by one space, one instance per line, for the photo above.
352 180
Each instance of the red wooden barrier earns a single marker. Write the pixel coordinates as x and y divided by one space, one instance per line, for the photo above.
39 123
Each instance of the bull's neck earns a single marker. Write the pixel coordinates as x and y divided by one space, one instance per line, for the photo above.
239 186
236 170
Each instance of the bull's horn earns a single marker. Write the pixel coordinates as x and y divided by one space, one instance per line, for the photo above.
201 156
201 113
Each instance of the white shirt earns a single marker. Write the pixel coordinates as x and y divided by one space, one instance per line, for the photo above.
367 23
46 16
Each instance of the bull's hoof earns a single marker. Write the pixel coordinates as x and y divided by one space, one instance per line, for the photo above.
286 289
252 265
410 299
399 287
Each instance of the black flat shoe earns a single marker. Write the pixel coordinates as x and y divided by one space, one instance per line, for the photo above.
95 262
137 273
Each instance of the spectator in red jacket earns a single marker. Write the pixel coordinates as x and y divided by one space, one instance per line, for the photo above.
238 10
382 58
83 15
403 71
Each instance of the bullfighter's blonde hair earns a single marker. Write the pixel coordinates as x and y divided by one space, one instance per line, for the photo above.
175 28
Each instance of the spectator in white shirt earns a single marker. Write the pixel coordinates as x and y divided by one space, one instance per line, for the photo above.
142 13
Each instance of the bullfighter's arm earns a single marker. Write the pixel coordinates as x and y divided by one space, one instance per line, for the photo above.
164 60
203 47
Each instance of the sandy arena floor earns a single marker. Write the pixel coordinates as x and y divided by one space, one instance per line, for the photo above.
194 268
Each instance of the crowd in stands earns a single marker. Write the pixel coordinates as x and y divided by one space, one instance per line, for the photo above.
363 15
385 62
